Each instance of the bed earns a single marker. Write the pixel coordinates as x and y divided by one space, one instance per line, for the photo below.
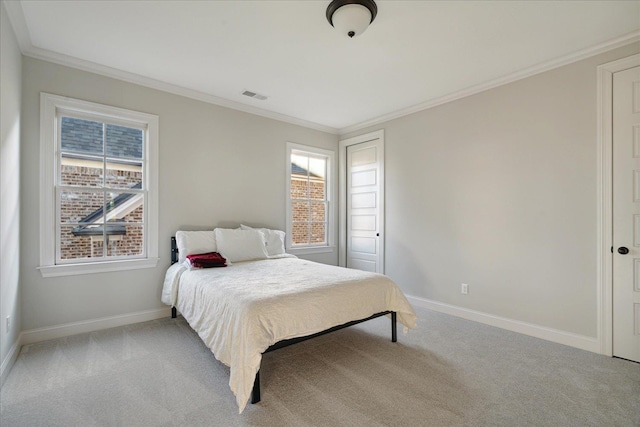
256 306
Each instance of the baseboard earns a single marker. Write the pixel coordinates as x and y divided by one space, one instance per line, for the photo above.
52 332
561 337
9 360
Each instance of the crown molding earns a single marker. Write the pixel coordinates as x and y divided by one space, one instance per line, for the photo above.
126 76
629 38
16 16
92 67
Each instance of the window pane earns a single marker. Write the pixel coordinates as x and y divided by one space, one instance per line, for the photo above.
123 175
317 189
125 239
81 136
80 242
300 233
318 211
81 171
125 207
299 165
81 207
299 188
318 232
318 168
308 197
124 142
300 211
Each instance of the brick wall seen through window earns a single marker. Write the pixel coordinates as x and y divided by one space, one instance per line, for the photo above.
99 195
308 198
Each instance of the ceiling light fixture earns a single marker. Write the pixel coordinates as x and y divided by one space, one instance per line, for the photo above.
351 17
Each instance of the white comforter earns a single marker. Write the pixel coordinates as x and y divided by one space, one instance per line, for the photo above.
240 310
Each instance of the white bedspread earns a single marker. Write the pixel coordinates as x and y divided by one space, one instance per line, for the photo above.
240 310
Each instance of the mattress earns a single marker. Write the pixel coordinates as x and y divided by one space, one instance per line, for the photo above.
241 310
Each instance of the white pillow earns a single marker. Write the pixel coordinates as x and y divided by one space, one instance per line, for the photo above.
240 245
273 239
195 242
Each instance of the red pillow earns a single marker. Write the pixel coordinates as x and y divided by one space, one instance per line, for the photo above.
208 260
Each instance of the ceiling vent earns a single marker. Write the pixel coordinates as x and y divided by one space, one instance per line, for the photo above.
254 95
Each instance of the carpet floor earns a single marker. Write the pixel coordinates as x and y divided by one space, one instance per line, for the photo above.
448 372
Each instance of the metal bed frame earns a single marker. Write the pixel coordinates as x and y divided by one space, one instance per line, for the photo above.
255 393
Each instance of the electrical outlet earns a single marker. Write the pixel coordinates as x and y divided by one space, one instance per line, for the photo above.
464 289
8 323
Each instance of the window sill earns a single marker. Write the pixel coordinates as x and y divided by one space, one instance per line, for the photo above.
96 267
311 250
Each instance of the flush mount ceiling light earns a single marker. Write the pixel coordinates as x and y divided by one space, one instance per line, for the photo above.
351 17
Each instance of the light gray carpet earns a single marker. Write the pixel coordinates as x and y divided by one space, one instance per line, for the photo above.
449 372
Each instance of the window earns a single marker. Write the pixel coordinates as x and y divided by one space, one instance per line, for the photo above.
310 212
98 188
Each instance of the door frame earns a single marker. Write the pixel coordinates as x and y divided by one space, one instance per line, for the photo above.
342 184
604 283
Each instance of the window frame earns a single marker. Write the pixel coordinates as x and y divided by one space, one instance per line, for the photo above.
51 107
331 192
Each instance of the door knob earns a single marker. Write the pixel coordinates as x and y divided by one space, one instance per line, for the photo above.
622 250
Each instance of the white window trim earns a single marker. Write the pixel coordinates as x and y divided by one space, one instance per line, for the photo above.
331 200
49 105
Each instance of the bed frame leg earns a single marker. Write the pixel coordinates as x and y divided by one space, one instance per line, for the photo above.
255 393
394 327
174 313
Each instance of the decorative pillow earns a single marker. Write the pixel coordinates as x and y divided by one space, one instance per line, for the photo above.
273 239
195 242
240 245
206 260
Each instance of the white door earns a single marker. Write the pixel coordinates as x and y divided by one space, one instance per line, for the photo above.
626 214
364 182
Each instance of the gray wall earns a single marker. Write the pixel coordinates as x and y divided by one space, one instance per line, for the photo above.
10 88
498 190
218 167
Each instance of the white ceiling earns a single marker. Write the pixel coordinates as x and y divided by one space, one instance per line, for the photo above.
414 53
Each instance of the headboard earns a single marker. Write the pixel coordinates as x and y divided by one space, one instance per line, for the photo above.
174 250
